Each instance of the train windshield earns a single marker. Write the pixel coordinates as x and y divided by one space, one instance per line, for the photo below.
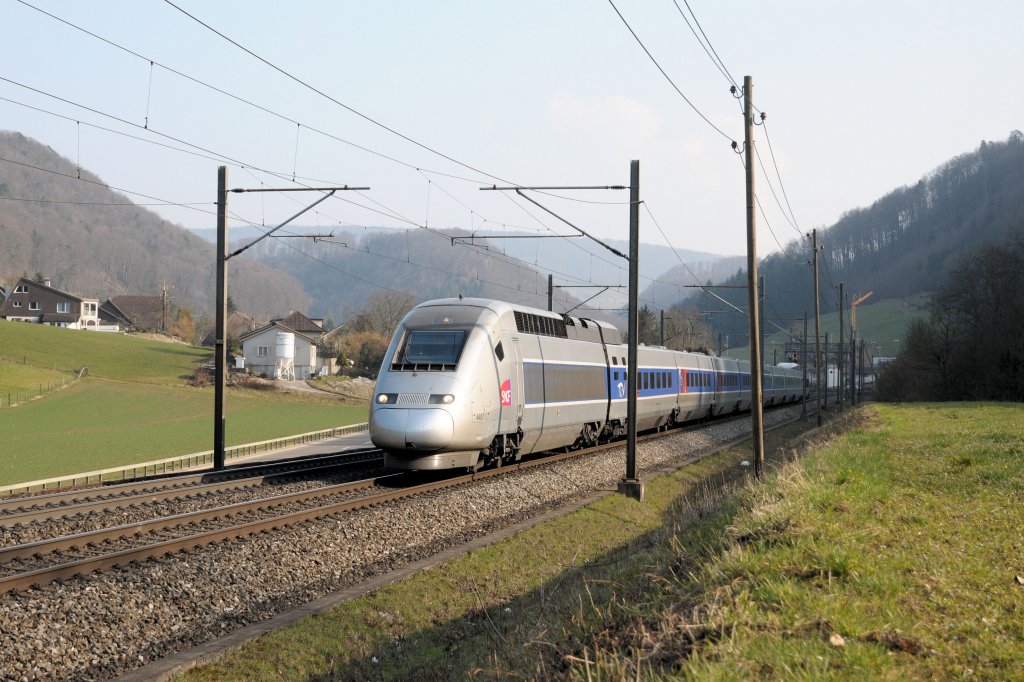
438 350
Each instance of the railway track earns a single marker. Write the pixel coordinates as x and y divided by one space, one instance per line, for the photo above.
62 504
32 564
39 563
146 610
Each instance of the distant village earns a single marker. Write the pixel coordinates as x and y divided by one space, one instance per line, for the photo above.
283 348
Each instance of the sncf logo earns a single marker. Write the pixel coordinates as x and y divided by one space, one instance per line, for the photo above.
506 393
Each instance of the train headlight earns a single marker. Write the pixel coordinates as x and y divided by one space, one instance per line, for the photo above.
441 399
387 398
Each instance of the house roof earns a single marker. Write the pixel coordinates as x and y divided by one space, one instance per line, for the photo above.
300 323
142 312
282 327
109 312
28 281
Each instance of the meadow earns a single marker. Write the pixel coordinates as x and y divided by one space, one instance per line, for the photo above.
132 406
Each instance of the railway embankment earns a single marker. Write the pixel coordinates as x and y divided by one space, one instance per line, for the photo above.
887 545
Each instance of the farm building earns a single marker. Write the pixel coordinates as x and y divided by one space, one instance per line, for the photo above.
279 352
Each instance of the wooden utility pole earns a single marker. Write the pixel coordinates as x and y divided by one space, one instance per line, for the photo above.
163 310
839 357
756 365
817 327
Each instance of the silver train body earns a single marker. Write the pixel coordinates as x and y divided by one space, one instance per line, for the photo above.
477 382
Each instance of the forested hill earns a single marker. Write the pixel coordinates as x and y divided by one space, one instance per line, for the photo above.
904 243
92 241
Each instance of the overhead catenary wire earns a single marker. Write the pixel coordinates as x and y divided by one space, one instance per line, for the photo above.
243 100
330 98
298 124
165 202
205 152
285 175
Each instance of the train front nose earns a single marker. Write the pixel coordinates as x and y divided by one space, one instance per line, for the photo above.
399 428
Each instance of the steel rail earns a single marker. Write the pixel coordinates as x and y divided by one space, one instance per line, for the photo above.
178 493
46 575
11 507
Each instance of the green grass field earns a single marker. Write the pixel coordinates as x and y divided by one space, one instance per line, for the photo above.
98 424
17 380
111 356
890 552
133 406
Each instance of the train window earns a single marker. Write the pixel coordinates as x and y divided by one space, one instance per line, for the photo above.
615 360
433 349
499 351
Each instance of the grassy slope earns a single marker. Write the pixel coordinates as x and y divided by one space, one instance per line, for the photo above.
17 379
98 424
132 407
888 553
112 356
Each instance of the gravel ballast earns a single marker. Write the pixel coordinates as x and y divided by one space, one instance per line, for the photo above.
100 626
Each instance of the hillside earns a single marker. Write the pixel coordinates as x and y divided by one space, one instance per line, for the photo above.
92 241
352 259
905 243
110 356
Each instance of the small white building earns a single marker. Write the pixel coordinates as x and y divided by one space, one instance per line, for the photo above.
280 352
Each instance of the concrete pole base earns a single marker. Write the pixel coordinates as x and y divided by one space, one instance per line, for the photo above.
631 487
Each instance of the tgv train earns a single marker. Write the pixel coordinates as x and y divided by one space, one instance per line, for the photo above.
467 383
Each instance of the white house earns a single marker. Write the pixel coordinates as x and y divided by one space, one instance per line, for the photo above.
279 352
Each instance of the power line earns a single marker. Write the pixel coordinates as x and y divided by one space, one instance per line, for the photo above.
663 73
779 175
102 203
323 94
715 59
768 180
165 202
221 157
210 154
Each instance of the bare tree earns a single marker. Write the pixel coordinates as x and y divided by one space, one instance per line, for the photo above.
384 310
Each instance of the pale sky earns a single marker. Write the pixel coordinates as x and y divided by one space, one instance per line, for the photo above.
861 98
